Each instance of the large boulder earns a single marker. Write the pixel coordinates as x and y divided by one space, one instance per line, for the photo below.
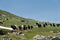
55 38
38 37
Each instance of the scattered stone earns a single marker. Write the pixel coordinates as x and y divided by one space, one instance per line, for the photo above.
38 37
5 38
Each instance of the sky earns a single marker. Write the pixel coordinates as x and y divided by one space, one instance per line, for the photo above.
42 10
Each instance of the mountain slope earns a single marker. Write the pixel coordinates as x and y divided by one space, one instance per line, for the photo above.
9 19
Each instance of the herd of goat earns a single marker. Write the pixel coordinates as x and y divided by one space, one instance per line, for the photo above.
24 27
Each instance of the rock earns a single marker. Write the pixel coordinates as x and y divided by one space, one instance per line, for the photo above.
5 38
55 38
22 36
38 37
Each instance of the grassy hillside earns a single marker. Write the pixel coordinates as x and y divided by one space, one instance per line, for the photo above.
9 19
13 19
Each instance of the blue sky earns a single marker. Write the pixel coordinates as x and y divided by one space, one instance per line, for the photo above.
43 10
